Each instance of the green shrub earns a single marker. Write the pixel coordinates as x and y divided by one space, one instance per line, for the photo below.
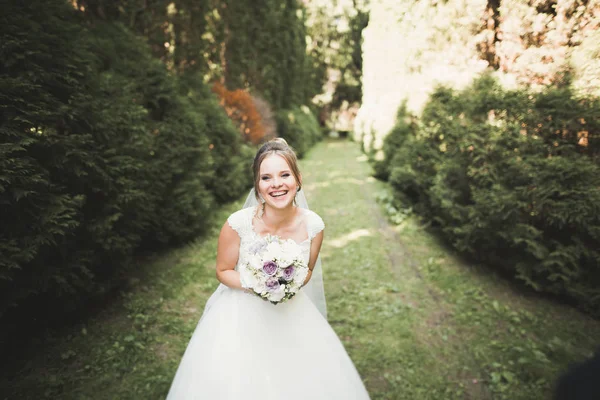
231 156
266 52
299 127
508 179
394 142
103 153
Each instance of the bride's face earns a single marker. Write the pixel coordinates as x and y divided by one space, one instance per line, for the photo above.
277 184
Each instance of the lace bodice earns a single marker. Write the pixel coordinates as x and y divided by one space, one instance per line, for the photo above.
241 222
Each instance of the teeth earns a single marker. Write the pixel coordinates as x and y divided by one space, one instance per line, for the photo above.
278 194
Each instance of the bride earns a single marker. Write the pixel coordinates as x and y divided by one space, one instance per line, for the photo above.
247 348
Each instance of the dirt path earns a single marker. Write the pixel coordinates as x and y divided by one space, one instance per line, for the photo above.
436 309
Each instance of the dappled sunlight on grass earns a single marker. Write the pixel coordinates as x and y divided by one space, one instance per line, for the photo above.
334 173
349 237
335 144
323 184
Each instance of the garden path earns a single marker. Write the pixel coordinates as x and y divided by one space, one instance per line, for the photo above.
419 321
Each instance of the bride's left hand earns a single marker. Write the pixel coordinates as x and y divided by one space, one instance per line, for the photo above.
308 276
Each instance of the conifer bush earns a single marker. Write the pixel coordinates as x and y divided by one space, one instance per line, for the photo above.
231 156
266 51
394 142
103 153
511 178
299 127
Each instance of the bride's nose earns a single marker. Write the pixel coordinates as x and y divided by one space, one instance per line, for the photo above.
275 183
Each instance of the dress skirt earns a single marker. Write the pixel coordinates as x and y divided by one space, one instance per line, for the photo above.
247 348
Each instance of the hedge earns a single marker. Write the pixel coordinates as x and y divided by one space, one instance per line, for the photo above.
510 178
103 153
299 127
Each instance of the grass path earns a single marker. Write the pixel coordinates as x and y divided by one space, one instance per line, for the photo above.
419 322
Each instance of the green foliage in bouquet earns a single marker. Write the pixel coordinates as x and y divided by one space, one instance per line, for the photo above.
103 153
299 127
511 178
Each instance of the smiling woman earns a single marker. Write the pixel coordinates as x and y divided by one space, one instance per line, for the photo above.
271 173
276 180
276 185
248 348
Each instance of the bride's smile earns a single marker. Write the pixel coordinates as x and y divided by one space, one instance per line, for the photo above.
277 184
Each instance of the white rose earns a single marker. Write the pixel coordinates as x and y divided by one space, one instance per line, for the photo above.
255 262
289 252
278 294
272 252
247 278
300 277
260 287
295 250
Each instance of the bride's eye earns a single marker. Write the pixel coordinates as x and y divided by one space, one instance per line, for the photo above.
265 178
285 175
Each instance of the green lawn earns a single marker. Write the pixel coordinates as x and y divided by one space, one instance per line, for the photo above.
418 321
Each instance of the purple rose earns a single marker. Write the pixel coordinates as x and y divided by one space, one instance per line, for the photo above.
270 268
272 284
288 273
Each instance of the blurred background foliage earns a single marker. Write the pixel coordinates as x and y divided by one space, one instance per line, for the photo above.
412 46
485 121
483 116
297 123
335 41
510 178
125 124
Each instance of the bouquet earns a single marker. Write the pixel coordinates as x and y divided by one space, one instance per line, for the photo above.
275 269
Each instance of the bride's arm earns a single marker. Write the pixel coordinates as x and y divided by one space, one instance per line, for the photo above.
315 248
228 250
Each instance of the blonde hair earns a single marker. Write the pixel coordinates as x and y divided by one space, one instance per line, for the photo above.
277 146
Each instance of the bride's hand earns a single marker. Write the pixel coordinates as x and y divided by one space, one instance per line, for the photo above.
308 276
252 292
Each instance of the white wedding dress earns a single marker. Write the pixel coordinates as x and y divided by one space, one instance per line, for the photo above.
247 348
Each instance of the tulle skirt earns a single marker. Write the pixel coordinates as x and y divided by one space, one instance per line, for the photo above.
246 348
